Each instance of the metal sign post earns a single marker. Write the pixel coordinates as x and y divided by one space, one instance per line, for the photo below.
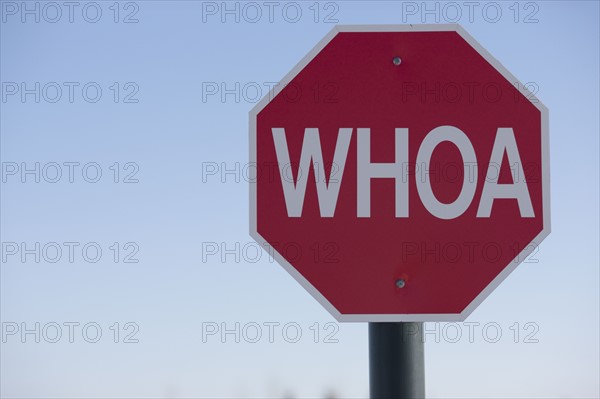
396 360
371 101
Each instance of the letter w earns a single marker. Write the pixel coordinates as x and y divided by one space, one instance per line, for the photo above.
311 151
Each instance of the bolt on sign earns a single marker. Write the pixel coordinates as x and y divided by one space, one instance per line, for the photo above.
410 173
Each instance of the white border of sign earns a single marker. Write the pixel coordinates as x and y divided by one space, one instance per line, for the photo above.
545 174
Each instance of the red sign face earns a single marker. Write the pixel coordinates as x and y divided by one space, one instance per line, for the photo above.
401 173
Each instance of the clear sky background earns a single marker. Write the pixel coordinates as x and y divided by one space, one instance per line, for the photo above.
155 119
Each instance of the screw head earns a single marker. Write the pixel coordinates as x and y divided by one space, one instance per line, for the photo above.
397 61
400 283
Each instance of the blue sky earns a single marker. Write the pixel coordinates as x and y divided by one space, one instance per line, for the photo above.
152 124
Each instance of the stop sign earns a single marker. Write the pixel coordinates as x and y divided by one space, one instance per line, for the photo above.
401 173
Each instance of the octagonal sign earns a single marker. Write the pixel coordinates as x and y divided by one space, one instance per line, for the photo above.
401 173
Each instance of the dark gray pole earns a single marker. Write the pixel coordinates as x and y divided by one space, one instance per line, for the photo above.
396 360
